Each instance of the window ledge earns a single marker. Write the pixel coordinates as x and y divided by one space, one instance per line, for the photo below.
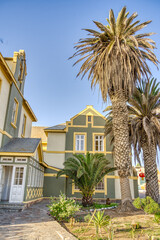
13 125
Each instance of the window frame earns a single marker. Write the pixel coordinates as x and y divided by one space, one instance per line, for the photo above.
29 176
10 159
101 182
14 121
94 143
74 189
24 158
75 142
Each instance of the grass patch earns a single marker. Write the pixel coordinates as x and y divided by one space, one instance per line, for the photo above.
99 206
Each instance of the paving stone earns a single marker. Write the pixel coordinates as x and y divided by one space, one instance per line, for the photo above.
32 224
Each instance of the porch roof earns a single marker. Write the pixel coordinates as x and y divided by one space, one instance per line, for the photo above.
21 145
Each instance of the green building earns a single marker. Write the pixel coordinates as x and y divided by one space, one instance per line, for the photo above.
21 157
29 163
83 133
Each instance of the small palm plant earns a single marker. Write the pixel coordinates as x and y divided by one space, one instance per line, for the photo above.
100 221
86 172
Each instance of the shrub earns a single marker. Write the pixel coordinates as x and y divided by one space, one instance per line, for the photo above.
64 208
157 217
87 218
147 204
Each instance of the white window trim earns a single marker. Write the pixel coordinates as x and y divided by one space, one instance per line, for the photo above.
3 159
16 159
99 143
75 141
33 177
102 189
29 176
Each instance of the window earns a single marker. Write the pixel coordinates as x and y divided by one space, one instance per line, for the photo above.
29 176
24 125
100 185
80 139
14 112
33 177
89 119
21 160
98 143
76 187
6 159
18 179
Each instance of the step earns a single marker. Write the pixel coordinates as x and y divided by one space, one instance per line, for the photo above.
12 206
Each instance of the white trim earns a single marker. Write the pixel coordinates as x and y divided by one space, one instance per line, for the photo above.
21 159
29 176
80 142
23 181
7 159
100 142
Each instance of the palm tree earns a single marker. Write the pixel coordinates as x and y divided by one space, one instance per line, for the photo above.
144 130
86 171
144 111
115 58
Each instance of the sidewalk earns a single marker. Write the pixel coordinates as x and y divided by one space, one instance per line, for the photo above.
32 224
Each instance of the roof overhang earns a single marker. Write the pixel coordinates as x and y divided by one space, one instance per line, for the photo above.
29 110
54 131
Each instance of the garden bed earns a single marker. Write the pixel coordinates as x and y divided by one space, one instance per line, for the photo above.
102 222
121 226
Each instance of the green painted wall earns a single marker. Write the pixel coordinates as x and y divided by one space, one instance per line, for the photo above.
110 188
135 183
98 121
80 120
53 186
14 94
8 127
48 170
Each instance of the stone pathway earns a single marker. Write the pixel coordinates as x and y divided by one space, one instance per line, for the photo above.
32 224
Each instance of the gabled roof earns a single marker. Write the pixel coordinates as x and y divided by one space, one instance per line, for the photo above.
89 110
21 145
56 127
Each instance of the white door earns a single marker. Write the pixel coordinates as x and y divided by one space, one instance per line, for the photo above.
17 185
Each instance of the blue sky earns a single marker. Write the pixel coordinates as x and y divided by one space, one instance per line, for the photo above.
47 31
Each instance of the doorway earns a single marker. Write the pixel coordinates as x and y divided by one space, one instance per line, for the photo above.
6 182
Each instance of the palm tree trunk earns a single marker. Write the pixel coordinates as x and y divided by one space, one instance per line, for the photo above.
149 156
121 148
87 200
